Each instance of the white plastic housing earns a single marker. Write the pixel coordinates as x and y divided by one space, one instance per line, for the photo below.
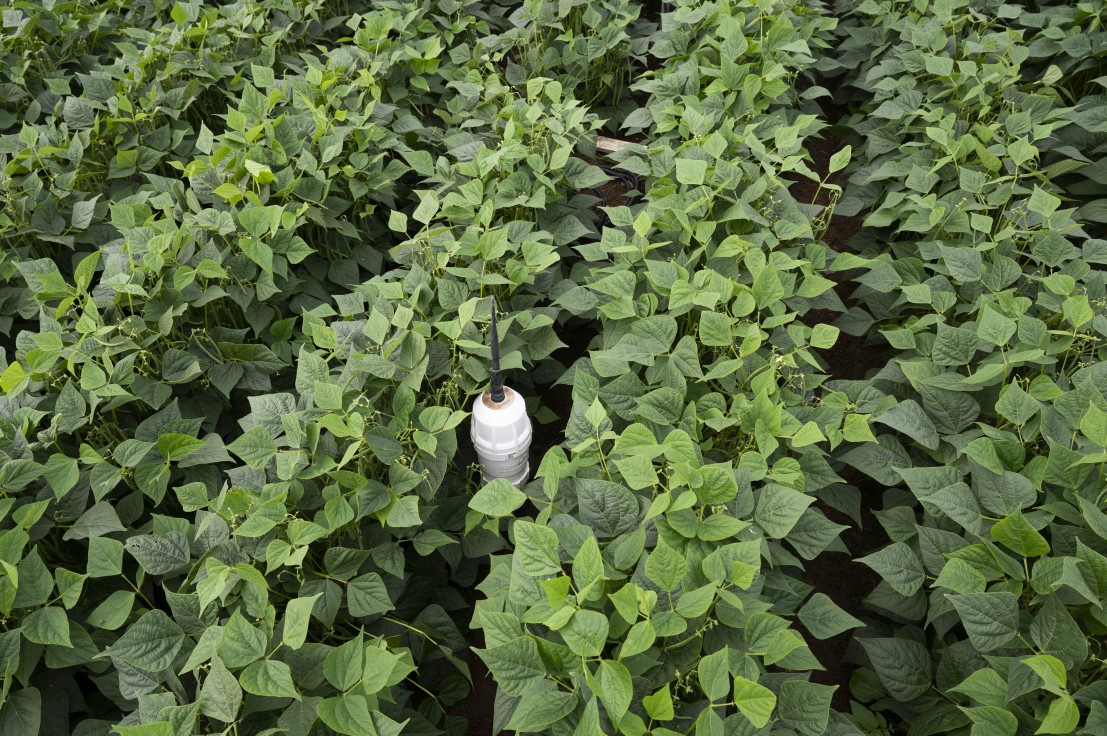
501 435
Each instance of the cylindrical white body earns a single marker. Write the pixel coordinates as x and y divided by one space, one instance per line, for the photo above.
501 435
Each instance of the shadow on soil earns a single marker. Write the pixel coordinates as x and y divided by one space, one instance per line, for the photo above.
836 574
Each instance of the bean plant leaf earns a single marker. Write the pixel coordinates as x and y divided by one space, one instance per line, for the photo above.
899 566
824 619
498 498
756 702
990 619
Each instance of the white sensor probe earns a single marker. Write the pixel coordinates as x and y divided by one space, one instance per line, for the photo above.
500 429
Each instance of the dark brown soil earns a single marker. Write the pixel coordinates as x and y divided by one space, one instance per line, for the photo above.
614 194
479 705
835 574
849 359
803 189
846 582
559 398
839 232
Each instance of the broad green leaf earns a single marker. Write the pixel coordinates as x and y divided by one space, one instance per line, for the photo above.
961 577
100 520
609 508
541 707
988 720
714 674
995 328
586 633
985 686
62 473
428 207
805 706
297 617
113 612
808 434
1016 405
899 566
404 513
983 451
824 619
1094 425
175 446
716 329
638 639
991 619
47 625
1050 669
343 665
587 565
515 666
839 159
160 554
1042 202
690 171
241 643
767 288
1055 632
659 706
366 595
497 498
1016 533
779 508
397 221
255 447
908 417
903 666
150 643
270 678
755 701
1062 717
1097 520
536 549
855 428
220 694
21 713
348 715
964 264
665 567
615 688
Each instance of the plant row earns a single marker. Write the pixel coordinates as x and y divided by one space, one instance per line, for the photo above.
974 139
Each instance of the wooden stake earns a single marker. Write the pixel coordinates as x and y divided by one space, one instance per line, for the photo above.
610 145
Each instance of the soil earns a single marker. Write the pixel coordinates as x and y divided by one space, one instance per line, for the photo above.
559 398
846 582
805 190
613 194
835 574
479 706
850 358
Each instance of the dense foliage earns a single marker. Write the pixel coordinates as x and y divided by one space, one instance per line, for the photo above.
246 252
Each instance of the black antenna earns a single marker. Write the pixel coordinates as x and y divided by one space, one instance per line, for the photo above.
497 377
